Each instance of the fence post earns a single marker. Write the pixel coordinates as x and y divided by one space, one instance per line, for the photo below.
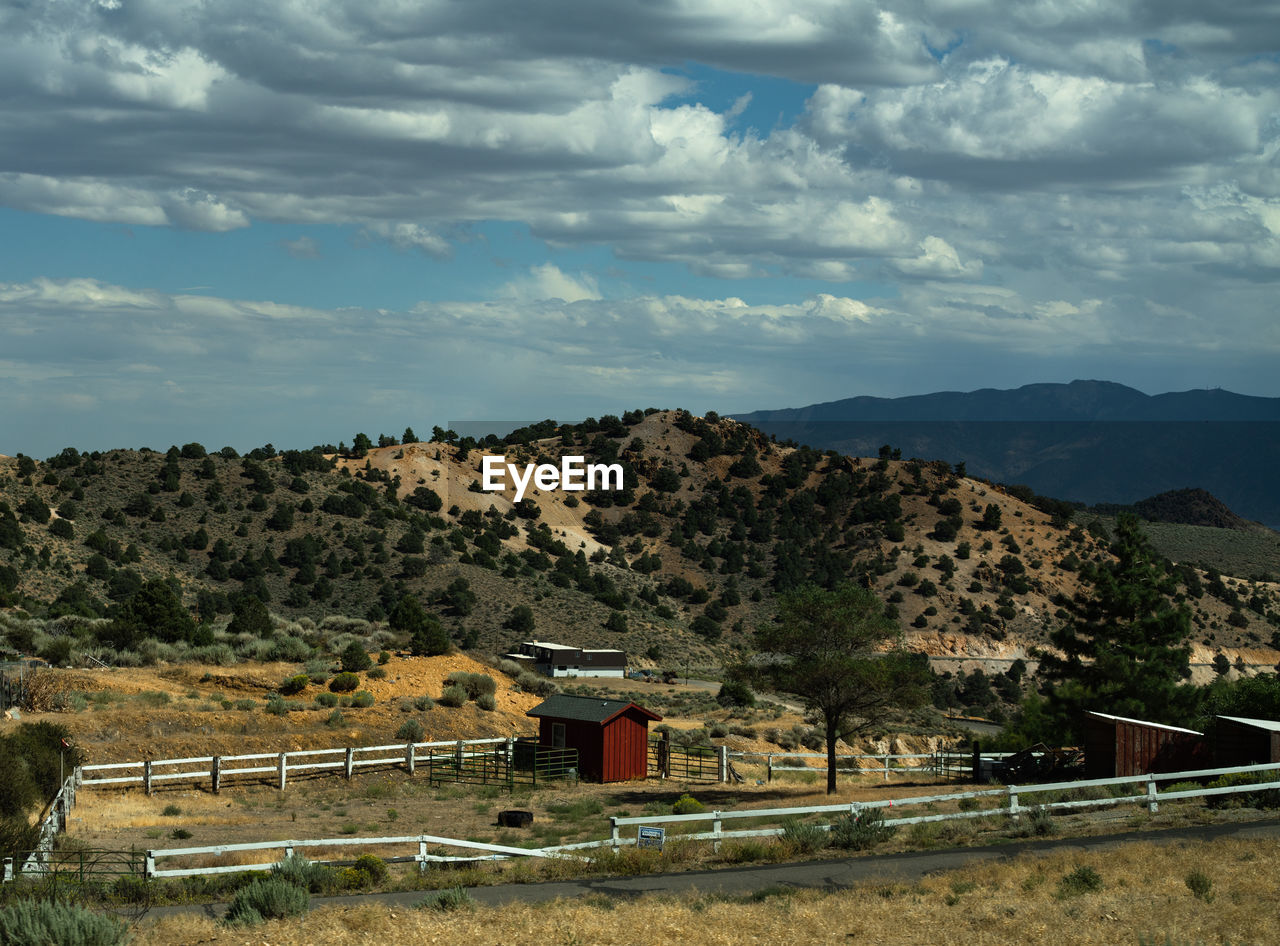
281 767
614 838
215 774
1013 802
288 849
349 765
769 768
8 870
1152 805
511 752
886 767
149 865
458 753
410 758
717 828
722 763
146 776
422 856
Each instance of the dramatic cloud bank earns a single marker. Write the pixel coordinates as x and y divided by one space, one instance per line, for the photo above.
905 195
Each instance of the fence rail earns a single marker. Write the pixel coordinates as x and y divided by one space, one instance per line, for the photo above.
1014 794
214 769
421 857
1014 797
942 764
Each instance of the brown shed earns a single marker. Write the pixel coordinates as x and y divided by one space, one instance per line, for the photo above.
611 736
1115 746
1241 741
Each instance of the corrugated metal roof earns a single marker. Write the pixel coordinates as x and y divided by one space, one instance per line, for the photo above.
1144 722
1269 724
587 709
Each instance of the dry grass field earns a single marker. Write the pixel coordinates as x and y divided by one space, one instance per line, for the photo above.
1163 895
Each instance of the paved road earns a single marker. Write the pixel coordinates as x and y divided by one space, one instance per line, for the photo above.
824 875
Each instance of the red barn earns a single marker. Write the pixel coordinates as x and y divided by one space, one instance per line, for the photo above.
1116 746
1241 741
611 736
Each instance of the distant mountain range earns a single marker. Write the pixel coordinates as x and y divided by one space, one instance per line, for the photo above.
1087 441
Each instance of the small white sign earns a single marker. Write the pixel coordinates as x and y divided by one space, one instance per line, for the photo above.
650 837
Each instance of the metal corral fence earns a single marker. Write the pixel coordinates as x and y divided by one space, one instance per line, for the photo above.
516 760
1014 798
949 765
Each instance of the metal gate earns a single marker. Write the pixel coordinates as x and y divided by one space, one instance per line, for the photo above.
527 764
687 763
104 879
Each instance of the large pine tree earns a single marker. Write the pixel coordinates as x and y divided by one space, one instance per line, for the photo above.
1124 648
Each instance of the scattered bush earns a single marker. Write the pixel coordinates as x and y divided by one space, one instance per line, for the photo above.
344 682
1201 885
536 683
423 703
861 831
686 804
1267 798
377 673
453 696
171 811
455 898
803 837
1080 881
410 731
47 921
327 699
295 684
487 702
354 658
362 699
475 684
735 693
268 898
300 872
372 866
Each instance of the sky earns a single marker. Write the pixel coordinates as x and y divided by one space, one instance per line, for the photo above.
240 223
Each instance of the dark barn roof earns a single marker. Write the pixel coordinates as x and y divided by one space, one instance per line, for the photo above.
586 709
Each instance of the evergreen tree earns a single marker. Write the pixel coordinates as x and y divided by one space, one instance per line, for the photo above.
154 611
1124 648
827 648
426 637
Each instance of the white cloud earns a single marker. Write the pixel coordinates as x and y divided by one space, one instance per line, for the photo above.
104 346
547 282
410 236
1096 163
302 248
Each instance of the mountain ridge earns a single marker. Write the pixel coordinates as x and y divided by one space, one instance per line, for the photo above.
1089 442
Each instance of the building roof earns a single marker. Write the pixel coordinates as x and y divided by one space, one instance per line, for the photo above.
586 709
547 645
1144 722
1270 724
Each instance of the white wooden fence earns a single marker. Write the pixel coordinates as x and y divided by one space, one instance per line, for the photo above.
1014 795
936 763
53 824
215 768
287 848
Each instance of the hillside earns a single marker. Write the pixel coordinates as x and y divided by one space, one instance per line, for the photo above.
1087 441
677 568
